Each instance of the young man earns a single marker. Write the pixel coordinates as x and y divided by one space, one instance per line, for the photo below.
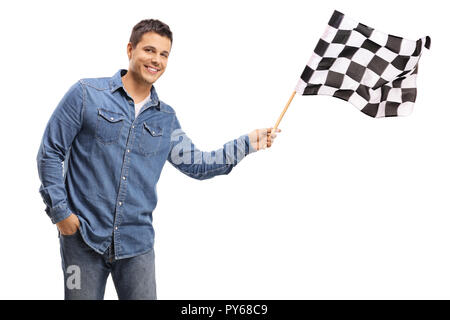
114 134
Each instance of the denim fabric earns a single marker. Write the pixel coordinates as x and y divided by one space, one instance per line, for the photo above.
112 162
86 272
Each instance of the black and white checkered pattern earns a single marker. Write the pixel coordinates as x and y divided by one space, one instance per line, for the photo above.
374 71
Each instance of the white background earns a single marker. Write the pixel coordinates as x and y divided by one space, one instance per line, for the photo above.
343 206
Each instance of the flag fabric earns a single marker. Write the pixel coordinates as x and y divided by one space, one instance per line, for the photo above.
374 71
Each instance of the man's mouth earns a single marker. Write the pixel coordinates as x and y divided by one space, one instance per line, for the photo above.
152 70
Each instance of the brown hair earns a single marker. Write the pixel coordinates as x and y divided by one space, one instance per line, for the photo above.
149 25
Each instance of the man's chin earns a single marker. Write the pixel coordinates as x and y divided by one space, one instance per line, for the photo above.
148 80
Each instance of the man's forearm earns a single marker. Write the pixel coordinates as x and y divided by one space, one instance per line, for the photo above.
205 165
52 187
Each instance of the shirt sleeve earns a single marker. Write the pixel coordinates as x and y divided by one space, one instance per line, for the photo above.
201 165
61 130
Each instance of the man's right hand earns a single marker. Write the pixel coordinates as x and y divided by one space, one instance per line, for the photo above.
262 138
69 225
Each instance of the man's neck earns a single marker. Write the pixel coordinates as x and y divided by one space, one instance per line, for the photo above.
138 90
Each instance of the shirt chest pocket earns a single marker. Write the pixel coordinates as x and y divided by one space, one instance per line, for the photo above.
151 137
109 125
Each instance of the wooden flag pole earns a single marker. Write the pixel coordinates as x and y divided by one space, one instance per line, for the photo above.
284 111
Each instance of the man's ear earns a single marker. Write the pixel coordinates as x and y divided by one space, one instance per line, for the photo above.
129 50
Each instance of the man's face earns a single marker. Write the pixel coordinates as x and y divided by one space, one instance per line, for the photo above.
148 60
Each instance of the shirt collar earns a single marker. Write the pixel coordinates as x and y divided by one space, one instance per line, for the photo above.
116 83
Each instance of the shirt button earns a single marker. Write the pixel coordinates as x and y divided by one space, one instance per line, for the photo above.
128 150
115 228
120 203
112 118
153 132
132 126
124 178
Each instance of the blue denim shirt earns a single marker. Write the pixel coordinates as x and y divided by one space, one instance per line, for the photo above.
98 161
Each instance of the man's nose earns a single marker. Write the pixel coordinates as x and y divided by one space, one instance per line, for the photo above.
156 60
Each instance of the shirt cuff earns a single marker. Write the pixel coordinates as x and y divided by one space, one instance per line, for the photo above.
250 147
58 213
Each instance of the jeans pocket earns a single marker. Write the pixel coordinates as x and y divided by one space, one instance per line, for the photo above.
109 125
70 235
150 140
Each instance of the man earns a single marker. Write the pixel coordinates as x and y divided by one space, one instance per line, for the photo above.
114 134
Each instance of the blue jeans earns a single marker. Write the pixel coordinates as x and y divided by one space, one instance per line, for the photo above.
86 271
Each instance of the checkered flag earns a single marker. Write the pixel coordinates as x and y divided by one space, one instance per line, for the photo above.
374 71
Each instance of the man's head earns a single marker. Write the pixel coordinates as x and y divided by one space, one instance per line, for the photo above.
149 49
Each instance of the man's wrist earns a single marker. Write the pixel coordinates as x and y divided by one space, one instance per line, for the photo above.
59 213
251 149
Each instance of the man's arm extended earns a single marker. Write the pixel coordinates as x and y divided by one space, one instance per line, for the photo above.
197 164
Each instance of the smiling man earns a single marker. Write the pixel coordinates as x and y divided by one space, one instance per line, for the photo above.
115 135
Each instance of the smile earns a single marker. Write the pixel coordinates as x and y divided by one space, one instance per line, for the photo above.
152 70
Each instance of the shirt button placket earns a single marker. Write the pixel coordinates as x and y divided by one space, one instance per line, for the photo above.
123 185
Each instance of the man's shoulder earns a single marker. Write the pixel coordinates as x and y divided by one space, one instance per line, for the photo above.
101 83
165 107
